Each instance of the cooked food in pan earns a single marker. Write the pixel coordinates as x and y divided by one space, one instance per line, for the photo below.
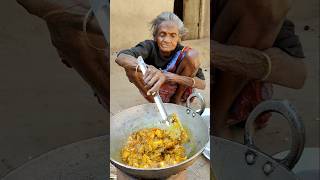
155 147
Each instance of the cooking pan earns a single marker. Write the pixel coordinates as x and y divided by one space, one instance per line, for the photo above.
232 161
135 118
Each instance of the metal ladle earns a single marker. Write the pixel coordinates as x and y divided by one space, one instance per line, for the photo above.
156 96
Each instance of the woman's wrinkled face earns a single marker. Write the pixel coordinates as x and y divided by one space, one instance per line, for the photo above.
167 37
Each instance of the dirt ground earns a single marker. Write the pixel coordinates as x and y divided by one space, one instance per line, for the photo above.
44 105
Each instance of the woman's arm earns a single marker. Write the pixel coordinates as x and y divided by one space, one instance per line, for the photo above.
129 63
154 78
126 61
186 72
253 64
186 81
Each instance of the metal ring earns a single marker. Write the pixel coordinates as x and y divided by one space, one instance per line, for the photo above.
200 98
296 125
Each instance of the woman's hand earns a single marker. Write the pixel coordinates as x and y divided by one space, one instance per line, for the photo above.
153 79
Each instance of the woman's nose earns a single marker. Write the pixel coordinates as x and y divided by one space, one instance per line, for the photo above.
167 39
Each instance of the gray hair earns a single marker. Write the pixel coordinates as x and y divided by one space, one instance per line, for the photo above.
167 16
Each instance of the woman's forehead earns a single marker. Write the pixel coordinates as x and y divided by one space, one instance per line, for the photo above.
168 26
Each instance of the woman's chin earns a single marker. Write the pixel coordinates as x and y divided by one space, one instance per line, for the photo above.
166 50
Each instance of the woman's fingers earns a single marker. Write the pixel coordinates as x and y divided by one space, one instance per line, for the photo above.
156 86
151 82
151 73
146 74
147 78
153 79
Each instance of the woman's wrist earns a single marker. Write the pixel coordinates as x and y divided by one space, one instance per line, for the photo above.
187 81
170 77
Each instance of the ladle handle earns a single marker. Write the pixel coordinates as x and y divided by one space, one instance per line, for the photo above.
159 103
201 99
156 97
297 128
142 65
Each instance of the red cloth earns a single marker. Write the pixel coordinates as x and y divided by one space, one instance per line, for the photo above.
167 90
251 95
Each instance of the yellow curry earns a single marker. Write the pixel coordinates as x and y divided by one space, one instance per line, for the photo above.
154 148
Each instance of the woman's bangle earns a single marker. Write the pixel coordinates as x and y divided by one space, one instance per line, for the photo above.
265 77
194 82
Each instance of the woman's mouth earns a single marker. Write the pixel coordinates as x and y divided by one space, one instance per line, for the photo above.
165 46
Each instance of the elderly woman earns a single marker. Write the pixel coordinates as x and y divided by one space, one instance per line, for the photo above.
172 69
254 46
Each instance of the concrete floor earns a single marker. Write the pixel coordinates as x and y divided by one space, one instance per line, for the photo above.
44 105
